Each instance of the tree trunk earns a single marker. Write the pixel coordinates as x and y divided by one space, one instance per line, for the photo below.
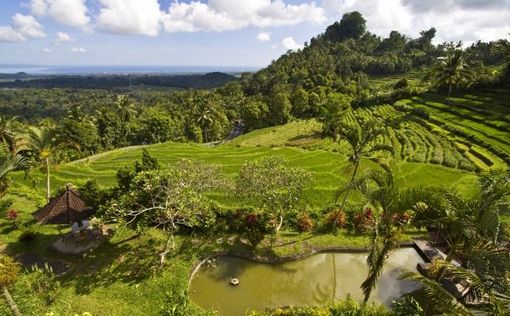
10 302
279 226
449 93
48 185
335 222
170 245
206 130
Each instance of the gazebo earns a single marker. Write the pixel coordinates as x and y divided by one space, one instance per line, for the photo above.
67 208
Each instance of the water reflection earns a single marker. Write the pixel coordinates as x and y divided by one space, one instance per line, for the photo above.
306 282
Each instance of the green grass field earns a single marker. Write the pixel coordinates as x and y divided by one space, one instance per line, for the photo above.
121 278
330 168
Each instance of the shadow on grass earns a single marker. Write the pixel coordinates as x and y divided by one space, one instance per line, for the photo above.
129 261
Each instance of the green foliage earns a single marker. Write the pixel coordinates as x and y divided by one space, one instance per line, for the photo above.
352 25
452 71
406 306
273 186
43 284
28 233
347 306
9 270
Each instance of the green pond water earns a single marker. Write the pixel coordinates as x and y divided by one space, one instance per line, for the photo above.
311 281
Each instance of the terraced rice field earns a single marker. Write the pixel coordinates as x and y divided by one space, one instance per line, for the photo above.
330 168
447 149
478 124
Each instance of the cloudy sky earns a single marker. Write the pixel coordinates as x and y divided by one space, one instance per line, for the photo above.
217 32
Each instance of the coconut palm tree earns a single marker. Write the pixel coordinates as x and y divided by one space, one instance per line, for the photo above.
44 143
9 161
364 137
9 270
452 71
207 114
9 134
392 206
126 110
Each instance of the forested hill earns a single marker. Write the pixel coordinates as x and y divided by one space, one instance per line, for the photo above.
342 60
184 81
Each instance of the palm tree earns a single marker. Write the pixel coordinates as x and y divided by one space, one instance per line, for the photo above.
207 113
9 270
9 135
391 205
364 139
45 142
478 288
9 161
438 300
464 223
452 71
126 110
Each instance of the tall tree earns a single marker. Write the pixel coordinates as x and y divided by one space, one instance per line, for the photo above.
126 110
352 25
365 140
207 113
44 143
391 206
452 71
168 199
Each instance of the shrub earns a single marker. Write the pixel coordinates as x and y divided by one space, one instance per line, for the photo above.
42 283
363 221
28 233
249 224
304 222
406 306
339 216
401 84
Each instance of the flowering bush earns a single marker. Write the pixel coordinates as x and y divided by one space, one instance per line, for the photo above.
304 222
336 215
364 221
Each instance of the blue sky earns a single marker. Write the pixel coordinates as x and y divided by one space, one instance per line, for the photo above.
217 32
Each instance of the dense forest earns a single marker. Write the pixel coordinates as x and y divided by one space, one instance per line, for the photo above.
109 82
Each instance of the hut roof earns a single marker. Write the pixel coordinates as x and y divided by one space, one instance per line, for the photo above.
64 209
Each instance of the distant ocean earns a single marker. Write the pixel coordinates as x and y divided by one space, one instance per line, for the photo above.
88 70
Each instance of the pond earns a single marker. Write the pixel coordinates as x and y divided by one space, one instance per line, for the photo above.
311 281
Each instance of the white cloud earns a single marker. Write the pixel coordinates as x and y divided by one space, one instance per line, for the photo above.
78 50
23 27
466 20
264 37
47 50
290 44
223 15
62 37
130 17
10 35
27 26
68 12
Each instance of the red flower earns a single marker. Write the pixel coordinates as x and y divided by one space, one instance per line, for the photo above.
12 214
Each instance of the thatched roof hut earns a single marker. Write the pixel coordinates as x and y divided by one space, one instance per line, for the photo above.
67 208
